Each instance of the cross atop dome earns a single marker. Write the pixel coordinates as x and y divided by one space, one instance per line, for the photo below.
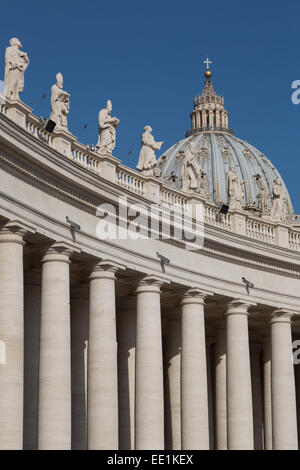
208 72
207 62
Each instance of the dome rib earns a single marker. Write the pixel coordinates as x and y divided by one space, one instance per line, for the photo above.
216 165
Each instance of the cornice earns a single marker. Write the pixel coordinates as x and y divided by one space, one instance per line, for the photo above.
245 259
91 205
44 180
251 245
87 191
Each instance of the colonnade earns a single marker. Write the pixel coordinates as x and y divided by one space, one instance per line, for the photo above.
135 416
213 118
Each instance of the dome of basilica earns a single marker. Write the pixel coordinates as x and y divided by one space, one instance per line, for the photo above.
217 150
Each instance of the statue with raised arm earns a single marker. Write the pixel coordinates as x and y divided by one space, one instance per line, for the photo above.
16 62
190 170
278 211
107 129
60 104
147 160
235 189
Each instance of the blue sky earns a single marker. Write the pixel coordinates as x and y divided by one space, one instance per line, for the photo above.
147 57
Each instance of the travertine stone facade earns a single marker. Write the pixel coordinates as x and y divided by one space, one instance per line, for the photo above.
127 343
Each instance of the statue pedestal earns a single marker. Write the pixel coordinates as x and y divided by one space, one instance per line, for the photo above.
17 111
282 235
238 222
195 208
152 189
62 141
108 164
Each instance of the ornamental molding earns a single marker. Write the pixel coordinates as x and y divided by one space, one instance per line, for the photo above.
43 180
251 262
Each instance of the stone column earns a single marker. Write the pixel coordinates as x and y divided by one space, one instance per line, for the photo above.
102 359
267 394
222 119
79 355
193 121
221 401
149 392
239 394
126 333
284 413
226 121
11 337
54 422
255 361
32 313
173 370
194 399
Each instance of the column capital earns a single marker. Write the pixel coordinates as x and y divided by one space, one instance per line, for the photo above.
14 231
282 315
195 296
59 251
238 307
151 283
106 269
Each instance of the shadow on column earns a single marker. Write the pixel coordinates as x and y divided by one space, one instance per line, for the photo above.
126 329
124 401
167 362
211 394
171 355
256 363
32 310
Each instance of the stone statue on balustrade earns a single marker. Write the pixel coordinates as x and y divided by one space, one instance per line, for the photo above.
262 195
235 189
147 163
16 62
60 104
202 184
190 170
107 129
278 211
